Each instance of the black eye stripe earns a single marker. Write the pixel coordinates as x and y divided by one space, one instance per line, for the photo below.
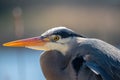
67 34
62 32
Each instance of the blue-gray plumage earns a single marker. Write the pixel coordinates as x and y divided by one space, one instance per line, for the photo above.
86 59
100 57
70 56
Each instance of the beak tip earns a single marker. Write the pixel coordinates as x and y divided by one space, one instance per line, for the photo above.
5 44
8 44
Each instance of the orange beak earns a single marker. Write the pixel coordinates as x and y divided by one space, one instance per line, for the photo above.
35 41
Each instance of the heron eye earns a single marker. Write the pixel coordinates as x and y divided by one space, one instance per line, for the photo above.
56 38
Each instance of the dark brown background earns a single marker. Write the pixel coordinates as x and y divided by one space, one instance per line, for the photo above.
28 18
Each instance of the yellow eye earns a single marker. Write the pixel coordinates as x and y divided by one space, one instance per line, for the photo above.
56 38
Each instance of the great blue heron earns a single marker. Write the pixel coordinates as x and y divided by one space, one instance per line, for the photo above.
70 56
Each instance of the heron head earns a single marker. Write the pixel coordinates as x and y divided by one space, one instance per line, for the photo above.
58 38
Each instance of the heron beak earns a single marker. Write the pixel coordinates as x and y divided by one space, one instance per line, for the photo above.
35 41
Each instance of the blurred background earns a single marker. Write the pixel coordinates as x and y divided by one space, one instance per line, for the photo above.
28 18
